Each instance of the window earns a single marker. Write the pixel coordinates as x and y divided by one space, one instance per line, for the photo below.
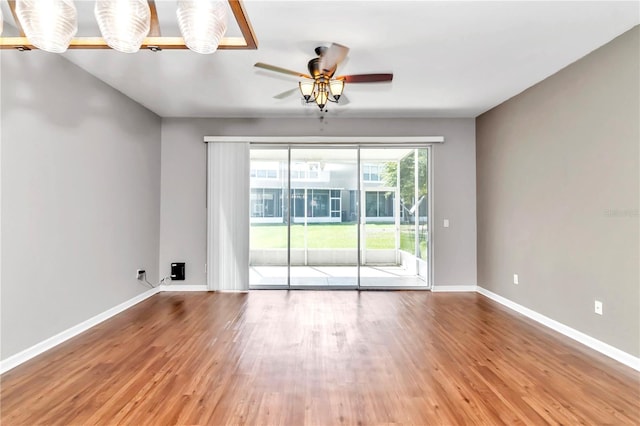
297 202
372 172
305 171
379 204
336 203
313 170
266 202
264 170
318 203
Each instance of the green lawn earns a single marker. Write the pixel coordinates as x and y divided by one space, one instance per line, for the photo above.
332 235
407 242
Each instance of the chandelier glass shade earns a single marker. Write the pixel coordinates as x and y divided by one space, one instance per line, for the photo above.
124 24
202 24
48 24
320 91
127 25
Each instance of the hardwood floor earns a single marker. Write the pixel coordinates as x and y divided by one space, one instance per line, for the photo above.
328 358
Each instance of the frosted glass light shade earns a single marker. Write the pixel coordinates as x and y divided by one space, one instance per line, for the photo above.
202 24
336 87
322 98
48 24
124 24
306 88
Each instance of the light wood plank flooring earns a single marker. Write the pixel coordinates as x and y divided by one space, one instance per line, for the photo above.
326 358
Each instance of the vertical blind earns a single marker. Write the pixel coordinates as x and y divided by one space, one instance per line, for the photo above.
228 216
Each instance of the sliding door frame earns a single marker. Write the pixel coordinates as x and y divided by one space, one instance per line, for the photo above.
358 143
428 146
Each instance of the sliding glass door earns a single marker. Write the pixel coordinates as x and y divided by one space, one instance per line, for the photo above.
339 217
394 216
324 227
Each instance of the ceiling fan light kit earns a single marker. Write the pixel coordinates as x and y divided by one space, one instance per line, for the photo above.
124 24
321 92
320 85
48 24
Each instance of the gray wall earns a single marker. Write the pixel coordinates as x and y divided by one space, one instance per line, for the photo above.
80 197
184 219
558 184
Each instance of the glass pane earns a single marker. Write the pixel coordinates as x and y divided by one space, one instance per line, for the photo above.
423 208
423 212
371 204
269 230
385 204
324 245
394 215
318 203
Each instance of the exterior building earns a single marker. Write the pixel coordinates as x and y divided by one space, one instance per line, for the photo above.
320 193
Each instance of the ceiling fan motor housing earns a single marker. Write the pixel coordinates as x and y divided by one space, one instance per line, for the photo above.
316 71
320 50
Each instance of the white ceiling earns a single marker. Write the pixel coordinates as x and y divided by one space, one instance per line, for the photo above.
449 59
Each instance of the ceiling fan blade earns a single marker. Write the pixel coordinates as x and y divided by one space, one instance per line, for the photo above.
365 78
333 56
343 100
280 70
287 93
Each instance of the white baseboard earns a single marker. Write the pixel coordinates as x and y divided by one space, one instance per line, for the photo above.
595 344
453 288
182 287
25 355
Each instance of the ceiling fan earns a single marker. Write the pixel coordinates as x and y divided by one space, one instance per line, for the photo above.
320 85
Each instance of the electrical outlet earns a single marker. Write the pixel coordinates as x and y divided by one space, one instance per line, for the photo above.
515 278
598 307
140 274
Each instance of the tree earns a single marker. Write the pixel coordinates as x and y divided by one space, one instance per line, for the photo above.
407 180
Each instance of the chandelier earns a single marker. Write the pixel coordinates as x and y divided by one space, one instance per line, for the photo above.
127 25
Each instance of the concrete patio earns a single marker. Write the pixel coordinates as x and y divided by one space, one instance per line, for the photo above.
335 277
